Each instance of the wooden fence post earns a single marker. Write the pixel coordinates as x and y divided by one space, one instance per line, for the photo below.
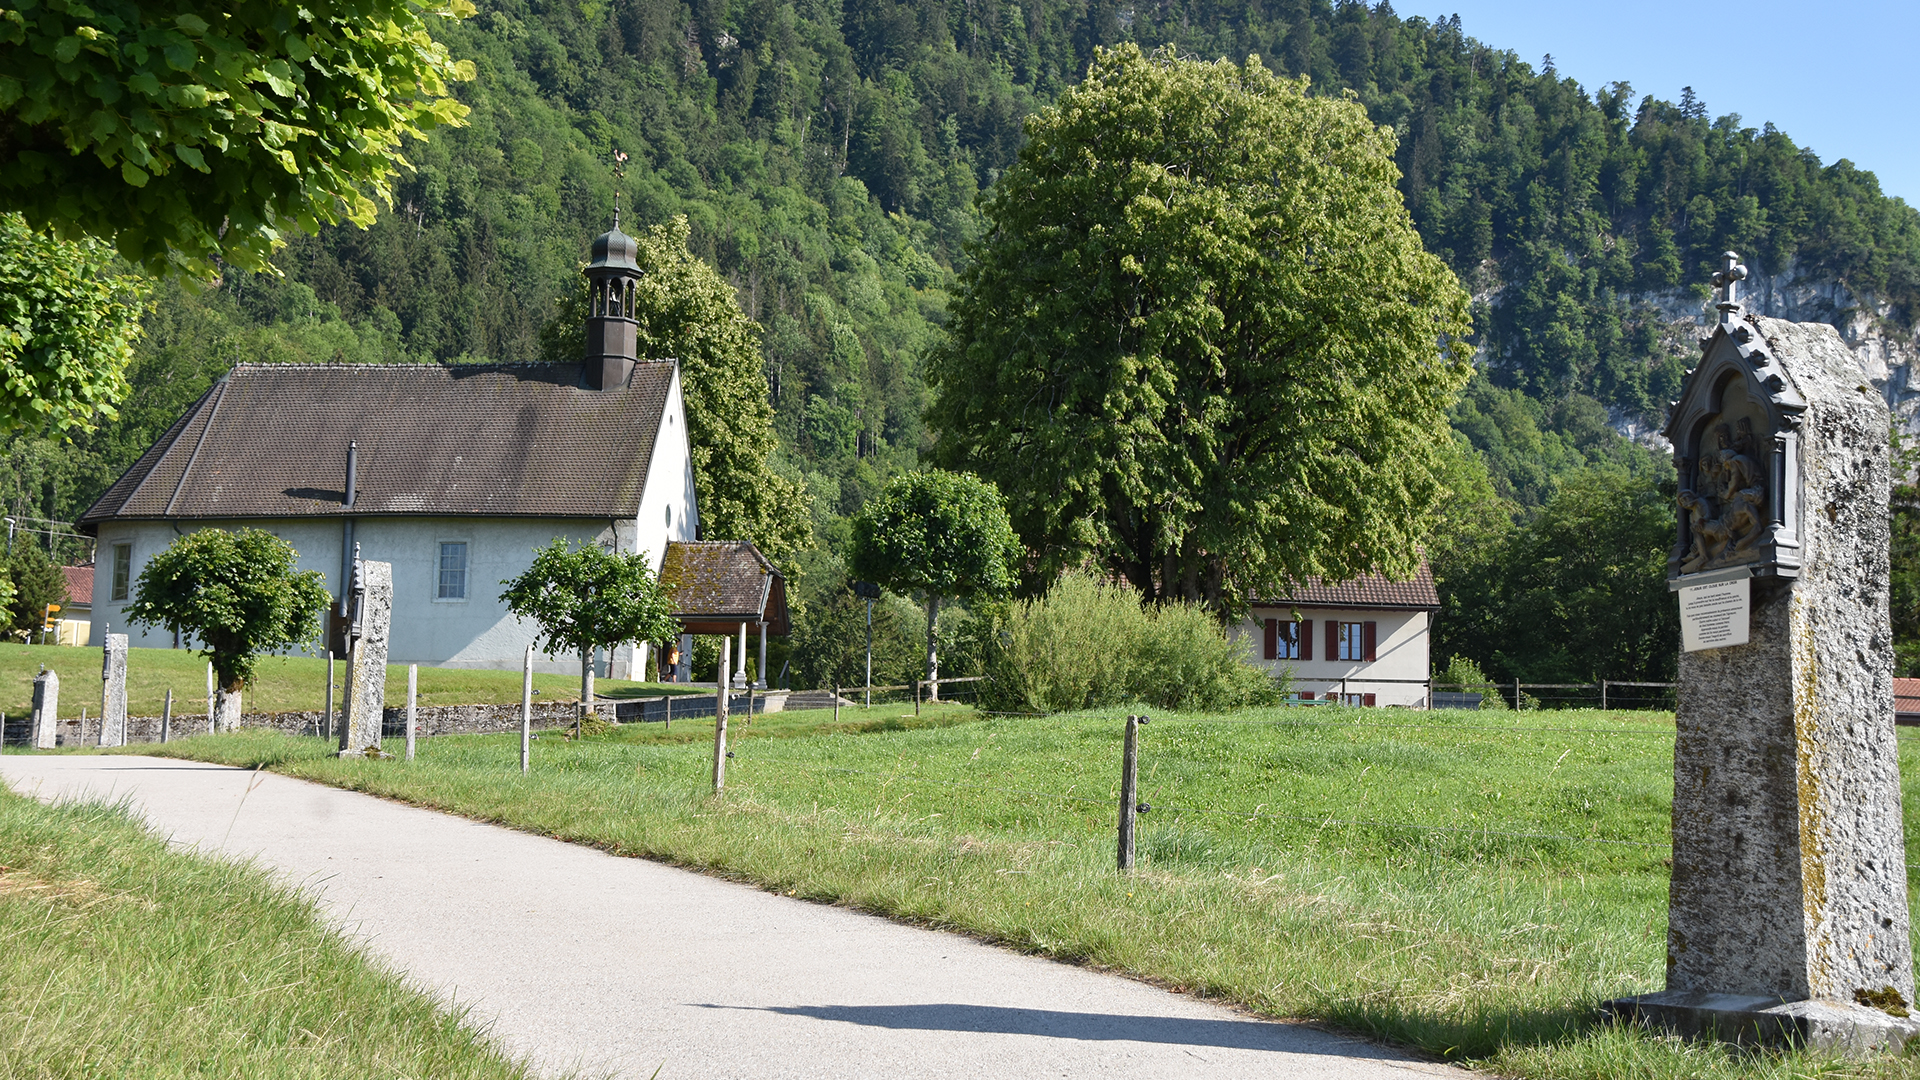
1129 774
526 711
720 728
1603 695
836 701
413 691
326 706
1516 695
916 697
166 716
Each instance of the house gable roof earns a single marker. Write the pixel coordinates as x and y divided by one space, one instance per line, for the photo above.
1371 591
79 585
510 440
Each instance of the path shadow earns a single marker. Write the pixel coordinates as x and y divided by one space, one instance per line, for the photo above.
1093 1027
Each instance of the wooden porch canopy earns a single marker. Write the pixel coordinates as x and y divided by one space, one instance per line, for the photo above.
717 585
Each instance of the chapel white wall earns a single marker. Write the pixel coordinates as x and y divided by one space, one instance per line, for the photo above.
476 632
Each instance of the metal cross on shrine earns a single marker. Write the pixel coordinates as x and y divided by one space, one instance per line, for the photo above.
1729 279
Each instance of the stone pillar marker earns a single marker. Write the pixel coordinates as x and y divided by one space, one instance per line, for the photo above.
1787 910
366 689
46 710
113 691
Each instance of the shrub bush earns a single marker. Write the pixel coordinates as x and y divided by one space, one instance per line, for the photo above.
1472 680
1088 644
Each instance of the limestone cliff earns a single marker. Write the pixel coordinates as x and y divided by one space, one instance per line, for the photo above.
1873 330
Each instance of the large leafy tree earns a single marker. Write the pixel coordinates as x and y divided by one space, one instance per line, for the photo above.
1200 343
688 312
1578 593
196 131
1905 561
68 320
937 534
587 597
32 582
237 594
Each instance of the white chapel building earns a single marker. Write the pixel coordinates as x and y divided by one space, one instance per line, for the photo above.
453 473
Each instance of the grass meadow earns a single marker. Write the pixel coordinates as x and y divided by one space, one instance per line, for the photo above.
122 957
1467 884
281 683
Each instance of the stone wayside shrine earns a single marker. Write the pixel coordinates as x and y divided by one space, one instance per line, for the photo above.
1787 912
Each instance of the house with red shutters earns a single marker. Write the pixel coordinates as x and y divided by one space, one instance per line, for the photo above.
1363 642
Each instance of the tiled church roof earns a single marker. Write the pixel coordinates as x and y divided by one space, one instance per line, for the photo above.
512 440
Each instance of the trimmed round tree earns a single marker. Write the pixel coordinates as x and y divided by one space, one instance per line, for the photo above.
937 534
238 595
587 597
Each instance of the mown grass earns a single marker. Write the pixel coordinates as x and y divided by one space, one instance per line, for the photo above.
121 957
281 683
1279 868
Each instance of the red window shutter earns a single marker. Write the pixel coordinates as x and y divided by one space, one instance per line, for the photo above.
1372 635
1367 700
1333 640
1273 639
1306 639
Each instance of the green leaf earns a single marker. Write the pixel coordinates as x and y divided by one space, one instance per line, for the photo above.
133 174
192 24
280 78
181 55
191 156
66 49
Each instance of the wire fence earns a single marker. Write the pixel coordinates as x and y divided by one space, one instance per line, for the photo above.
1607 694
1146 795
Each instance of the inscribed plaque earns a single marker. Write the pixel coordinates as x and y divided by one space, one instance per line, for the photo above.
1714 616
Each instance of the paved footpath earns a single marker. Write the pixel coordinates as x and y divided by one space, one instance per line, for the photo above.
620 966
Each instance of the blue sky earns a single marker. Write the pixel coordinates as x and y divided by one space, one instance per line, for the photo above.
1839 79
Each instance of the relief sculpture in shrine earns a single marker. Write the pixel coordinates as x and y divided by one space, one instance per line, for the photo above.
1726 505
1735 446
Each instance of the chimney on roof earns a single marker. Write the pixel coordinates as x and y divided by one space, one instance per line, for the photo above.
611 330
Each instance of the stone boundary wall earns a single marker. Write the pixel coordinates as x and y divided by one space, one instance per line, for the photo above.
429 720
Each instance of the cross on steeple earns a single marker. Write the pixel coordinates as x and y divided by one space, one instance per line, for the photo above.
1728 279
619 174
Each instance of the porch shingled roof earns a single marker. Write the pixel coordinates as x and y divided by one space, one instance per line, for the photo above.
718 584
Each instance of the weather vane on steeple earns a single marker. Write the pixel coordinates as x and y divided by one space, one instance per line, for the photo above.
1727 279
619 174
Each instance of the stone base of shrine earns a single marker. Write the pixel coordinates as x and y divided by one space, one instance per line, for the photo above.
1838 1027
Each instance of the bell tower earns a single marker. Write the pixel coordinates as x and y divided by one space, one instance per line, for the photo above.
612 333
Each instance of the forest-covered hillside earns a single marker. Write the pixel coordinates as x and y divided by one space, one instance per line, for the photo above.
827 154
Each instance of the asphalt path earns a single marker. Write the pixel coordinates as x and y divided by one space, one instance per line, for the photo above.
611 966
